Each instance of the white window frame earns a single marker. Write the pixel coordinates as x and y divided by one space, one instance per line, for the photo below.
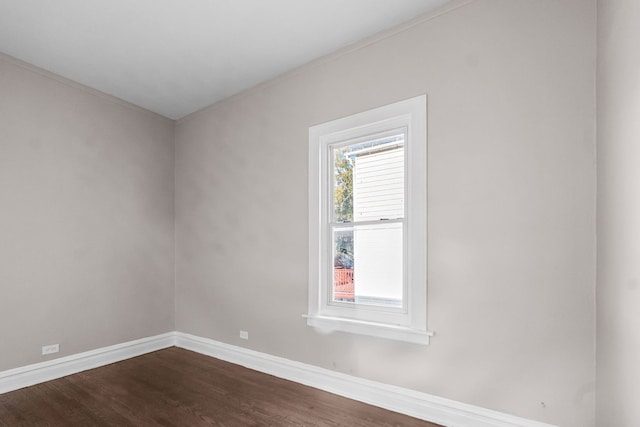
410 322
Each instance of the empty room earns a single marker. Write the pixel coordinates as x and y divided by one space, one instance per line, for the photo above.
320 213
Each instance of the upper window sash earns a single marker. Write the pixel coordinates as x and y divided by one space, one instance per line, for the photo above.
381 147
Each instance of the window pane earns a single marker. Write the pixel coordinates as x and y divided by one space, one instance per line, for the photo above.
368 180
368 264
343 284
342 185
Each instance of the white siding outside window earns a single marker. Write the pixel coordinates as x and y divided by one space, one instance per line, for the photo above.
378 184
378 194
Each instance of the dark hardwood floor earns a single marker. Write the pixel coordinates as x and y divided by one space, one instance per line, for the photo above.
177 387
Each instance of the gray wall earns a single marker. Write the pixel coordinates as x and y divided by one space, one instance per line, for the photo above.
86 218
618 213
511 113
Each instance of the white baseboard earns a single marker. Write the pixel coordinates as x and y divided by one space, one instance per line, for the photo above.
410 402
26 376
416 404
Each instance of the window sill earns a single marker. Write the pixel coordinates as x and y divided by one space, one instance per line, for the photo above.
380 330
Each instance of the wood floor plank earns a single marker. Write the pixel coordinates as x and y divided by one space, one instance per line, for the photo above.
176 388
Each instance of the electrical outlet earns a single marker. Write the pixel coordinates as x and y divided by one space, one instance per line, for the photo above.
244 335
50 349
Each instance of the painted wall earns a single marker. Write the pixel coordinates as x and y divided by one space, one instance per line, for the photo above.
511 114
618 294
86 218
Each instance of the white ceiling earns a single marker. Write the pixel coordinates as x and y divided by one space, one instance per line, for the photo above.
178 56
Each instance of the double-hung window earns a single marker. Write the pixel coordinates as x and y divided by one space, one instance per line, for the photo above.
368 223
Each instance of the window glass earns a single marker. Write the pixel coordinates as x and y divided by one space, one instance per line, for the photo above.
368 185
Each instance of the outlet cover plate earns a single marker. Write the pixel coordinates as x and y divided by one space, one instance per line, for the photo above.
50 349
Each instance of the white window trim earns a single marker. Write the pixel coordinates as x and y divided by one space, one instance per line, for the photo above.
411 325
